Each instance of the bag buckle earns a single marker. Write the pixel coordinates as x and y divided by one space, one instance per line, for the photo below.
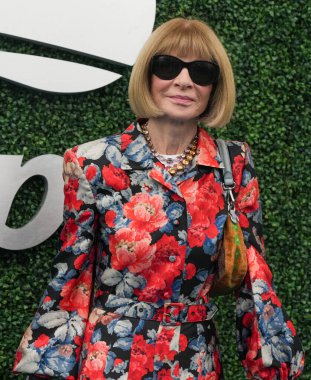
230 200
172 309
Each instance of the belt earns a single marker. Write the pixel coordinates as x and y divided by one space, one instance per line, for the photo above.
167 313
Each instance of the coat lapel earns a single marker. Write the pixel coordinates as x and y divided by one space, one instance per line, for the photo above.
136 155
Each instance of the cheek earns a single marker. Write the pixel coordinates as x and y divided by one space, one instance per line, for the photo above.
157 86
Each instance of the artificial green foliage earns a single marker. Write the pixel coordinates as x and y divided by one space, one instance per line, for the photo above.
269 45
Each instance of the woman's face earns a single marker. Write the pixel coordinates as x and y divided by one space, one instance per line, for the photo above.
180 98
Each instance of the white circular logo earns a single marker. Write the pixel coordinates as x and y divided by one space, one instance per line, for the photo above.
111 30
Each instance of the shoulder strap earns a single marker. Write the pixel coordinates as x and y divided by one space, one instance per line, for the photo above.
228 182
227 171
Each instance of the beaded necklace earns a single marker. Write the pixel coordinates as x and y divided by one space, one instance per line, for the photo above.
182 160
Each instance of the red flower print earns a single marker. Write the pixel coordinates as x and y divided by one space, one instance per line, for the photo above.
158 176
166 266
258 266
70 195
80 260
176 369
78 342
177 198
110 217
142 357
18 357
252 364
43 340
91 172
183 342
76 294
164 374
197 234
84 216
160 165
96 361
131 249
131 127
189 190
247 199
117 361
145 212
237 171
196 313
72 165
115 177
125 141
272 297
156 287
168 247
284 371
68 234
162 349
207 149
247 320
291 327
265 373
243 221
210 191
190 271
208 200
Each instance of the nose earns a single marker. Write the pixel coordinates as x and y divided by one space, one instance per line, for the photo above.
183 79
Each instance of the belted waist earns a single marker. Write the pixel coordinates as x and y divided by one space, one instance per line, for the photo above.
167 313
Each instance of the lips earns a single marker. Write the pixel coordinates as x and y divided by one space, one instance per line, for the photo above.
181 99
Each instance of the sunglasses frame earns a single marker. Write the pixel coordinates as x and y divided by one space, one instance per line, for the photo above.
190 67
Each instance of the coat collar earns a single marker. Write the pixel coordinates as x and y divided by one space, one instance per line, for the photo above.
136 153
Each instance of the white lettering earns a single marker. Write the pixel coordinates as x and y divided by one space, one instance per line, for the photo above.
49 216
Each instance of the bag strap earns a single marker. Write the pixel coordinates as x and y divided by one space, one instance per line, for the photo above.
228 181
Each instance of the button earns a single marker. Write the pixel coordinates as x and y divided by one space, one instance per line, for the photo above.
140 309
176 222
172 258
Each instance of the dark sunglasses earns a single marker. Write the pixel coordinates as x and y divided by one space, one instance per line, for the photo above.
167 67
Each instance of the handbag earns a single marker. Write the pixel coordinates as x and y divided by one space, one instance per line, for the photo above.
232 256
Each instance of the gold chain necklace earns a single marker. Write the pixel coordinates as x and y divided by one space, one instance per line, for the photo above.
185 158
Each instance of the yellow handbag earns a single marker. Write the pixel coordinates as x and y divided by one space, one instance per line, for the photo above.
232 261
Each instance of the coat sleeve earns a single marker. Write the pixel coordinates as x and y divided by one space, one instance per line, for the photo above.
267 342
52 343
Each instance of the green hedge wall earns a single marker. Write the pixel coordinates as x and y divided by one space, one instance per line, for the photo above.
270 51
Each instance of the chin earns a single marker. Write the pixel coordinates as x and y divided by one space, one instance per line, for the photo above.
182 118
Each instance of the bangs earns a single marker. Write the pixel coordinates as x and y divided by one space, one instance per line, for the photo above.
184 42
186 39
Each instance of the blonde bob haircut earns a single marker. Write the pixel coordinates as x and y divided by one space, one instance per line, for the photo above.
184 37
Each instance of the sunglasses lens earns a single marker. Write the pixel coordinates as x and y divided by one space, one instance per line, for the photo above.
166 67
203 73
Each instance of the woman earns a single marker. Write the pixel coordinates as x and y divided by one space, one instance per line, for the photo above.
144 218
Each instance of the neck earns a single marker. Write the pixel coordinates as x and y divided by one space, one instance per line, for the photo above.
171 136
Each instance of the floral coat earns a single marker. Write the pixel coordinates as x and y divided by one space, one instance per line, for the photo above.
129 295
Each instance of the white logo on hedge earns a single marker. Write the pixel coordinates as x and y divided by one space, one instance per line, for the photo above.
113 30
